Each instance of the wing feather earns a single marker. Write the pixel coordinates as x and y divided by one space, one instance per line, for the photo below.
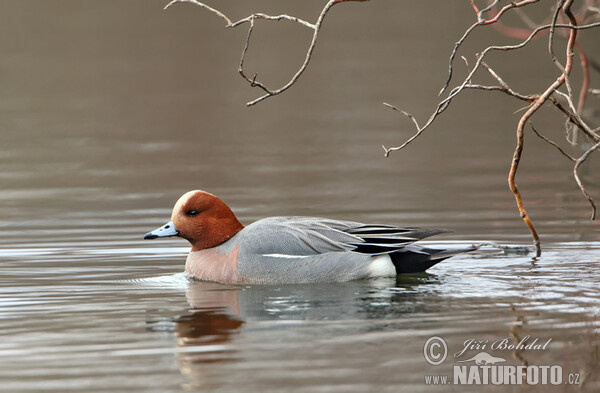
297 236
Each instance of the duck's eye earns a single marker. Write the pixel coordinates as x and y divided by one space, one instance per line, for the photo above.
192 213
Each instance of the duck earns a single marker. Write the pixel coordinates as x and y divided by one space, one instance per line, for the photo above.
293 249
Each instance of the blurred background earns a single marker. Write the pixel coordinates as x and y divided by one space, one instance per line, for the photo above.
109 112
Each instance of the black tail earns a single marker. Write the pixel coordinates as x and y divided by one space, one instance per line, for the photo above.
413 259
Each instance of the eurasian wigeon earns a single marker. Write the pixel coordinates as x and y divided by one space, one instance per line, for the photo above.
286 250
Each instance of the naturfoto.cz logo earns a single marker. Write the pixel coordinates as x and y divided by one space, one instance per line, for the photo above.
487 369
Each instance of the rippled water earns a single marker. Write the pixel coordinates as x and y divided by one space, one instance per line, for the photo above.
108 114
107 325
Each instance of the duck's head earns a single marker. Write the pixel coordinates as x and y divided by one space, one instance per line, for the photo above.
201 218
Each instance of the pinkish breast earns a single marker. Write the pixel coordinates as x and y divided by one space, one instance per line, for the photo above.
212 265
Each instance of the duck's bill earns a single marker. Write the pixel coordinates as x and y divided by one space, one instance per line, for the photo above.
166 230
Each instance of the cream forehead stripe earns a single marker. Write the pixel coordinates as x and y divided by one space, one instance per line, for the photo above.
181 201
184 199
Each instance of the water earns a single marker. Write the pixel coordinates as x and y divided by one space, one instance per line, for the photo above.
108 114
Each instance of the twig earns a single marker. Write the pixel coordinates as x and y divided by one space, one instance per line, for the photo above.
552 28
578 163
206 7
575 118
480 22
443 105
563 101
445 102
486 9
564 153
411 117
504 86
316 27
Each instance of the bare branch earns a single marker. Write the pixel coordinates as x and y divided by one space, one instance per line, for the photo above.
578 163
486 9
502 89
575 119
411 117
404 113
316 27
443 105
480 22
559 5
563 101
565 4
504 86
202 5
564 153
273 18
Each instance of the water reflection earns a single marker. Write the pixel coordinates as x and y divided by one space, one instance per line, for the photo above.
206 327
207 332
229 335
216 336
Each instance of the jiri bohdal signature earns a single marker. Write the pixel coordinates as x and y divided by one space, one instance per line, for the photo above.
504 344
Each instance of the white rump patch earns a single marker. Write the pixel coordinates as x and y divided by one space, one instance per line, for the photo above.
381 266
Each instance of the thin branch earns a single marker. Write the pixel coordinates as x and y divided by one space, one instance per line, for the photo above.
552 27
273 18
411 117
504 86
316 27
564 153
578 163
480 22
443 105
563 101
453 55
565 5
202 5
575 118
486 9
414 120
503 89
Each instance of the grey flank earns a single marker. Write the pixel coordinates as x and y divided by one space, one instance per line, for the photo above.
289 250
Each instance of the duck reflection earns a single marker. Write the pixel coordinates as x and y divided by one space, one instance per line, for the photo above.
206 327
211 323
218 312
206 333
